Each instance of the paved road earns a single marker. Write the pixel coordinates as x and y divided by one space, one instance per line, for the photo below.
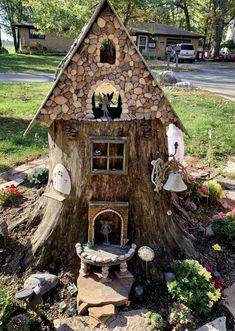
27 78
216 77
220 80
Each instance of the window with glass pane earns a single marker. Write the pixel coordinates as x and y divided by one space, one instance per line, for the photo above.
108 155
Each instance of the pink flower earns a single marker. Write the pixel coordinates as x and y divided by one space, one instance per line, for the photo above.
208 268
192 178
188 193
202 190
219 216
233 211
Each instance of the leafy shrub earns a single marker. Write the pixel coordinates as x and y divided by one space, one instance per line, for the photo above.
9 195
38 176
155 321
19 323
223 226
6 304
215 191
180 317
193 286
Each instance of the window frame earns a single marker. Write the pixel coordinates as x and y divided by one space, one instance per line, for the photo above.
108 141
35 35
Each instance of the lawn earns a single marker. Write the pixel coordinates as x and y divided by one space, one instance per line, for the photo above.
198 110
29 63
201 111
18 103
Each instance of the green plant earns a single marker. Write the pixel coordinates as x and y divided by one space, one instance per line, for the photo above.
9 195
223 225
38 176
215 191
155 320
3 50
19 323
180 317
6 304
193 286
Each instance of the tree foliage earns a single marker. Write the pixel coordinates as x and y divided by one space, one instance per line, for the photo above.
209 17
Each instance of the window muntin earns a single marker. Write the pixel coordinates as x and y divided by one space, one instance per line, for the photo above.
33 34
108 155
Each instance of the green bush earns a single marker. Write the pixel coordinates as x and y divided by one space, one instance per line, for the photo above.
193 286
38 176
223 226
155 321
3 50
215 191
6 305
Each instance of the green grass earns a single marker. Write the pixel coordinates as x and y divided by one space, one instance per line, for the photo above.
201 111
18 103
29 63
198 110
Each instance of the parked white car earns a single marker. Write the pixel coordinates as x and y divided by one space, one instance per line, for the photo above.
185 52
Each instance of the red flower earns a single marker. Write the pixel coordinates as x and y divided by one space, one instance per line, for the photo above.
13 186
192 178
202 190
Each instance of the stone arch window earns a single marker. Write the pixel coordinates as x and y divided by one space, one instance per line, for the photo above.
107 52
106 102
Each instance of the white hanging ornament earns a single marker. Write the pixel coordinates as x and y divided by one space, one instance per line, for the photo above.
174 135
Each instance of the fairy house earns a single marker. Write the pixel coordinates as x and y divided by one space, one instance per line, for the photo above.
106 119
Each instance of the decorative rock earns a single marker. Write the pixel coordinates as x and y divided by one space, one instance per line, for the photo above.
96 29
229 302
80 70
219 324
94 257
142 81
91 49
116 23
88 257
105 310
138 90
101 22
60 100
133 246
44 281
65 108
209 231
99 259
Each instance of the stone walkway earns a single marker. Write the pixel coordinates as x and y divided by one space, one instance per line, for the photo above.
23 170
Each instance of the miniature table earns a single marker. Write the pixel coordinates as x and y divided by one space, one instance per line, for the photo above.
105 257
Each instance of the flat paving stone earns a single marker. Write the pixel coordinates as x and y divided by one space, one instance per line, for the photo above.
219 324
74 324
92 291
229 301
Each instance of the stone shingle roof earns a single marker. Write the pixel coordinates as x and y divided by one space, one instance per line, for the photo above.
161 30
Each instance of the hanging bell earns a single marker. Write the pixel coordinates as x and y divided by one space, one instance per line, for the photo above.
175 183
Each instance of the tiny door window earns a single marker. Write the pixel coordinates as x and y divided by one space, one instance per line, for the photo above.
142 44
108 155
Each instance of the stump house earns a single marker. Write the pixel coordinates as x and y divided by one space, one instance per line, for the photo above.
106 119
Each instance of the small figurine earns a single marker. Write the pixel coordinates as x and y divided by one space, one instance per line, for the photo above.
105 230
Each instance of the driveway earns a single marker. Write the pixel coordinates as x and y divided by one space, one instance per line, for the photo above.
26 78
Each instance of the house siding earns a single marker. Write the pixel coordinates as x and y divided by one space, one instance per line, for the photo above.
161 44
52 42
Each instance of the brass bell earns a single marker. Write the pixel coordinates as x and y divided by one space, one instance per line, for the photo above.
175 183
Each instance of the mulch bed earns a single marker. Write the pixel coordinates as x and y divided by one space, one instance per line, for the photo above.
14 273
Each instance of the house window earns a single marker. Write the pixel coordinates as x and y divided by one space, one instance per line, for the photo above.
142 44
33 34
108 155
106 102
107 52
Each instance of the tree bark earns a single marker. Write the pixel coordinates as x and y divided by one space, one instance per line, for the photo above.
66 223
220 8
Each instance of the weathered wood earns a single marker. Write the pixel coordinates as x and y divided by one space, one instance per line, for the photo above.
149 222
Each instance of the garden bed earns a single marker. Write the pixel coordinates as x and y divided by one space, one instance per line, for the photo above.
21 231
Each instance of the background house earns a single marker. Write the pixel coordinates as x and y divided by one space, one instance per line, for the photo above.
51 42
152 39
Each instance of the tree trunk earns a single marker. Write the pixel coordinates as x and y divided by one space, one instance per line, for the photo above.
66 223
220 8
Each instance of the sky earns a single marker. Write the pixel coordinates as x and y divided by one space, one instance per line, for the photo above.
5 36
